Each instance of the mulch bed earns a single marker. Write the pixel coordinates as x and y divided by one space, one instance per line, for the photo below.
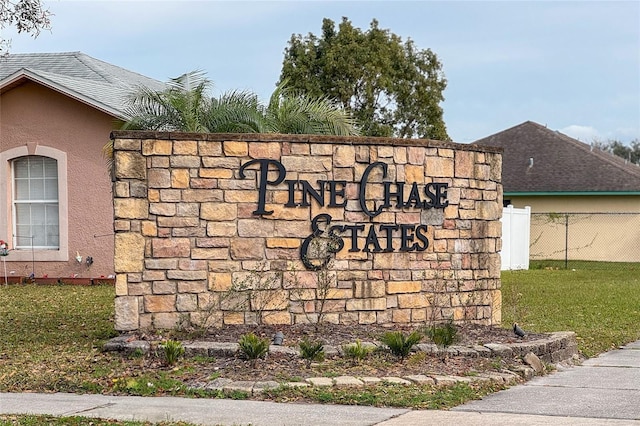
338 335
283 367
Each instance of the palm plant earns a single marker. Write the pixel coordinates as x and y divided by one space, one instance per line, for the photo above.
235 112
296 113
311 351
400 344
253 347
186 106
182 106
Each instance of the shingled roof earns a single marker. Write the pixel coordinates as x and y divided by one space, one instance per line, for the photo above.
99 84
540 160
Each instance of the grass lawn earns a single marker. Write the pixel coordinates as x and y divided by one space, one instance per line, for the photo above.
52 335
52 338
599 301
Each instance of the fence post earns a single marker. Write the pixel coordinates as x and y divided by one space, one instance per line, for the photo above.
566 241
516 224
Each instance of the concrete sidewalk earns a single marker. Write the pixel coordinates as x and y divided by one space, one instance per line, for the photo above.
605 387
603 391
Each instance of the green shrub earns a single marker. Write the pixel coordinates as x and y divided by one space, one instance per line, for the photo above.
399 344
356 351
172 350
442 335
311 351
253 347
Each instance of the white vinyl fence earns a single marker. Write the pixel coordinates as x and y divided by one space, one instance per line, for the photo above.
516 224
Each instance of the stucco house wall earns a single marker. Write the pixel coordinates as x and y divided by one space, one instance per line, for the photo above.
62 107
36 120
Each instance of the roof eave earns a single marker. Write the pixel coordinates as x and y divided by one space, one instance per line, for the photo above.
19 76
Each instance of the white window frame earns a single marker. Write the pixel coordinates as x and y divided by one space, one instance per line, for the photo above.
37 203
7 223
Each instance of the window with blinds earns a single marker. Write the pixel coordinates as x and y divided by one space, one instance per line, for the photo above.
35 203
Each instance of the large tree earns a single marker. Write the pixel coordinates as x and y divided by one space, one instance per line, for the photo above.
391 87
630 152
28 16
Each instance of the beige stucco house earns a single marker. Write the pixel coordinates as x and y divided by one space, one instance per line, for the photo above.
571 185
56 113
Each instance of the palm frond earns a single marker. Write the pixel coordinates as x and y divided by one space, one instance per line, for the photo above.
190 81
297 113
186 106
180 107
236 112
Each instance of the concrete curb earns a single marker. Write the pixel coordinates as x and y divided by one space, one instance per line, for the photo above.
505 377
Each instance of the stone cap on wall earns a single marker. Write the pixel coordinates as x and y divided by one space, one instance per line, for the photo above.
296 138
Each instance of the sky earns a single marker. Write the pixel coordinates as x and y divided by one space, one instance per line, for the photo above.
573 66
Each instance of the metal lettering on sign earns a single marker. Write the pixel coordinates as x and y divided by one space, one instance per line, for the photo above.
328 238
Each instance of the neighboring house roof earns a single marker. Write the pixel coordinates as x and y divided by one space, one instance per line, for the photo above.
539 160
99 84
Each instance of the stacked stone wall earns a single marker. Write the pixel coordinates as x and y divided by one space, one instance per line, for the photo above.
210 230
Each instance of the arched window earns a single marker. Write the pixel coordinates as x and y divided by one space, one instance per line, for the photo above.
35 208
36 222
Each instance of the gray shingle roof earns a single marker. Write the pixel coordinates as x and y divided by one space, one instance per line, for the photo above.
97 83
537 159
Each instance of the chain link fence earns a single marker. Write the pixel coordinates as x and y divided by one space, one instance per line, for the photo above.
591 240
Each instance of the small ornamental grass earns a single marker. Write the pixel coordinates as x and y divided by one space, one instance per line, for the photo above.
357 351
443 335
311 351
172 350
400 344
253 347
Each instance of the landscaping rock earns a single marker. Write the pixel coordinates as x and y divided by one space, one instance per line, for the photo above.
296 385
277 349
482 351
500 350
117 343
429 348
370 380
217 349
320 381
466 351
444 380
534 362
420 379
217 384
259 387
330 351
395 380
346 381
137 346
526 373
242 386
